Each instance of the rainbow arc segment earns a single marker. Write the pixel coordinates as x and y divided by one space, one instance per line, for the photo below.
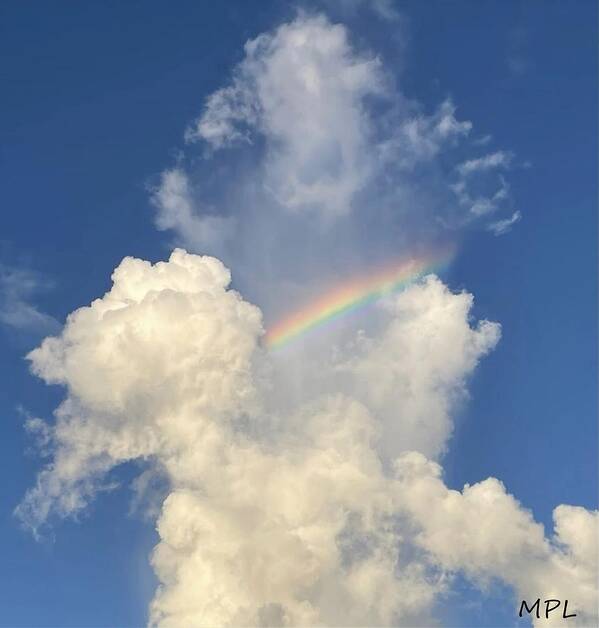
353 294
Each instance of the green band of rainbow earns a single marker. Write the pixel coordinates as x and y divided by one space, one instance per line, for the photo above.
354 294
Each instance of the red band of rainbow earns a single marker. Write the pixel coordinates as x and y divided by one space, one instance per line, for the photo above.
354 294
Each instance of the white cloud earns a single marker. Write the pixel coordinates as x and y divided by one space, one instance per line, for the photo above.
299 491
17 289
322 130
178 211
420 138
503 226
124 366
303 89
483 140
498 159
477 178
413 374
486 533
302 524
480 204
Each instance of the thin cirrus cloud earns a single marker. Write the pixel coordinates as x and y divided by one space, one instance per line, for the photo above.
306 488
335 132
317 161
498 159
384 9
503 226
18 288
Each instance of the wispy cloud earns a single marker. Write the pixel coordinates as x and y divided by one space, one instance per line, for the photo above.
518 58
503 226
384 9
481 205
483 140
18 288
178 211
319 130
498 159
302 89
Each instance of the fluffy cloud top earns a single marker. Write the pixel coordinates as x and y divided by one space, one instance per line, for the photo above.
413 374
134 384
305 525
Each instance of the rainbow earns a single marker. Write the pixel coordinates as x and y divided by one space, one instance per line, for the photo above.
354 294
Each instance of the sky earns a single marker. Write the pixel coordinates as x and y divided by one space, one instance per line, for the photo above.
345 137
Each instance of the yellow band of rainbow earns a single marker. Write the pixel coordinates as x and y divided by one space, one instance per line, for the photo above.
354 294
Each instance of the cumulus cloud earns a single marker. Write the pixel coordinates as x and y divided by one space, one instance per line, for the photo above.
302 488
109 353
414 372
302 524
486 533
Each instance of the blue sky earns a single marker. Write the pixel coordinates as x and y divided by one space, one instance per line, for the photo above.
96 99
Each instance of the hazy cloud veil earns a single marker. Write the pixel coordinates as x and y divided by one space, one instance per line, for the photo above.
304 488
